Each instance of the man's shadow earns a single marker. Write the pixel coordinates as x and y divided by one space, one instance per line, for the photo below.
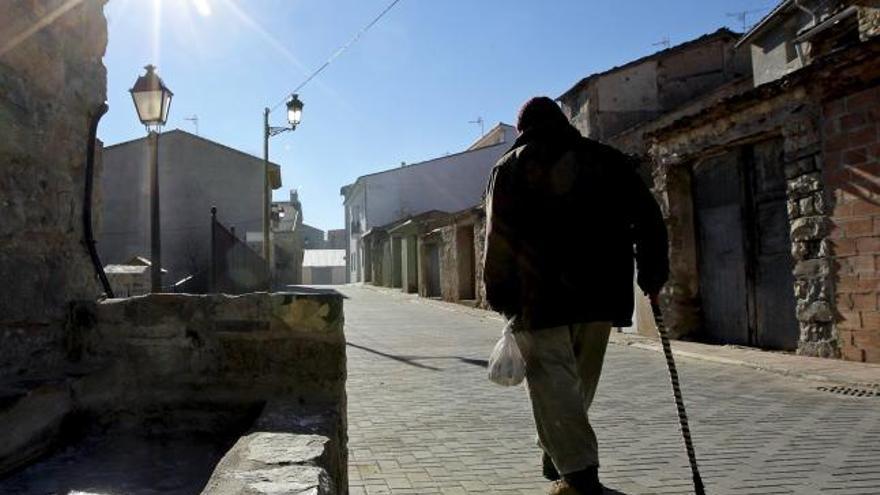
612 491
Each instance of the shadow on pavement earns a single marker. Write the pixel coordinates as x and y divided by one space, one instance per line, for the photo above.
411 360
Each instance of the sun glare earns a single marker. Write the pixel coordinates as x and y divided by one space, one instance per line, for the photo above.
203 7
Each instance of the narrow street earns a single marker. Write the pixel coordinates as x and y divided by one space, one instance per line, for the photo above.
423 418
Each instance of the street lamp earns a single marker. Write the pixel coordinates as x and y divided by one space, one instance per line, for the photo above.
152 100
294 116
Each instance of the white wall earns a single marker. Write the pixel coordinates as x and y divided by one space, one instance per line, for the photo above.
450 184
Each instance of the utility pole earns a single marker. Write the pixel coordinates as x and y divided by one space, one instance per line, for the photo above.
267 192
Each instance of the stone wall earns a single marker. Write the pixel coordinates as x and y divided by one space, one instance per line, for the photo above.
282 353
827 116
808 219
480 251
763 115
851 153
51 81
178 347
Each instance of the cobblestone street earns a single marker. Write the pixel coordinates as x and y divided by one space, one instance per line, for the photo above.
424 419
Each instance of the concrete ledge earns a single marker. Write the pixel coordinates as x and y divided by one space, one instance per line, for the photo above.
290 450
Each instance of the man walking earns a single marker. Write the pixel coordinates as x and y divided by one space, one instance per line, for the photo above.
564 216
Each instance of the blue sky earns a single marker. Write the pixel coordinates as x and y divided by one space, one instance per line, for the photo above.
404 92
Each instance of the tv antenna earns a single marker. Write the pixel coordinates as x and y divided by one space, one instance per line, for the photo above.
665 43
195 120
743 15
480 122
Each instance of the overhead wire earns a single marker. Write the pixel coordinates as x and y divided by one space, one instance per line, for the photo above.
340 51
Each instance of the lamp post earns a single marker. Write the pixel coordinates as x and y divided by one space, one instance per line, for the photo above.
152 100
294 116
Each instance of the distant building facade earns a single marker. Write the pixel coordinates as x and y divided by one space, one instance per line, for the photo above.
448 183
194 175
336 239
287 241
324 267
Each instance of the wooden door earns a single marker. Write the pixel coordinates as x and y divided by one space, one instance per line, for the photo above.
433 282
745 263
776 325
717 187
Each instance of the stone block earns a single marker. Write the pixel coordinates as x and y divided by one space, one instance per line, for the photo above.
809 228
289 450
804 185
794 209
817 311
825 349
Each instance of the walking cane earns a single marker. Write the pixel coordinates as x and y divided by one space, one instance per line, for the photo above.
679 402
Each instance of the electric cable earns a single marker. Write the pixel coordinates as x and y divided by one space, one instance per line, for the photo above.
340 51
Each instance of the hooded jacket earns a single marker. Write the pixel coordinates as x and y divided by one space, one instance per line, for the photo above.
566 218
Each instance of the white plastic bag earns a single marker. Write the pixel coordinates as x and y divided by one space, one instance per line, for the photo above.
506 364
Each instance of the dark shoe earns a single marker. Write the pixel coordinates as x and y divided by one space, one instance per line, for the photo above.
586 482
548 469
561 487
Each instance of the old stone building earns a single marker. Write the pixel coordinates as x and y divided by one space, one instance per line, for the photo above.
608 103
771 194
451 257
391 252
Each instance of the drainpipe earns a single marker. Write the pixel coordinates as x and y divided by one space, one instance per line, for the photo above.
87 201
797 3
813 22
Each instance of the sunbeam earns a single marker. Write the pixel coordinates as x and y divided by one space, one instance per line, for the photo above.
202 7
49 18
257 28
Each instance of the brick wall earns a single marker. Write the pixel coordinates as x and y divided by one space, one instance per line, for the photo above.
851 147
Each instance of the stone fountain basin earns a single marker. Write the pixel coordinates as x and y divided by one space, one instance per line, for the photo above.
246 392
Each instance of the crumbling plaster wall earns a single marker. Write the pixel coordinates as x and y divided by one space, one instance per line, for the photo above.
52 80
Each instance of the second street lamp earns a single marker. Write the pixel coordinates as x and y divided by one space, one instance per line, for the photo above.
152 100
294 116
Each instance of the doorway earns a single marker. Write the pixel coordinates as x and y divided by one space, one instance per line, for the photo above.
464 240
742 235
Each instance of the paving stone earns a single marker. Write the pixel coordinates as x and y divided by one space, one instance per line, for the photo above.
421 410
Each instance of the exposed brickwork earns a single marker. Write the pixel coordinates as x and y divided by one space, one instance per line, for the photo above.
851 136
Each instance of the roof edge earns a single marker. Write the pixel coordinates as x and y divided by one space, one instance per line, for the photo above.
718 33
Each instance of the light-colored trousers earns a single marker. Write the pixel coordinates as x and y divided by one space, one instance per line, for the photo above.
563 365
